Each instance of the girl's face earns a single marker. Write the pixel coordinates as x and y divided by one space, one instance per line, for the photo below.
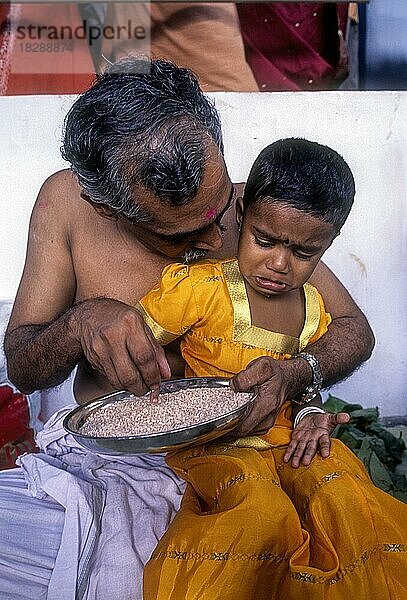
280 246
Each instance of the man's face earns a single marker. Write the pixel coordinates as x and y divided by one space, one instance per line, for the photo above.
280 246
189 232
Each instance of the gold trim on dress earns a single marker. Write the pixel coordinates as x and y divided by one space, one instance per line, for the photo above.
162 336
312 315
252 441
241 478
176 554
245 332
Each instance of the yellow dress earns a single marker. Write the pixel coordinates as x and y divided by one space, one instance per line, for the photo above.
250 526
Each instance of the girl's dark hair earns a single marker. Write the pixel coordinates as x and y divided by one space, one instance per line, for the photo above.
305 175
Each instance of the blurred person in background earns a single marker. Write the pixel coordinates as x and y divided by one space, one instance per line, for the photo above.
272 46
295 45
202 36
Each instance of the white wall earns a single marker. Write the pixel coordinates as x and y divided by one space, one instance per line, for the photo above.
367 128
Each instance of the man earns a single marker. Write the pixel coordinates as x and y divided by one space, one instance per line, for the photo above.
149 185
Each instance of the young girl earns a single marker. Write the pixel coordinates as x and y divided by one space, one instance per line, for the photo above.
251 527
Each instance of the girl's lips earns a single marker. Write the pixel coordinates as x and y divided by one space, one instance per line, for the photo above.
269 284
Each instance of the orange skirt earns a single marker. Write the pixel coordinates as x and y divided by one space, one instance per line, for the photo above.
251 527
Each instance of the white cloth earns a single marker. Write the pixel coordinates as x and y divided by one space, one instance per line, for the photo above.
115 509
30 536
55 398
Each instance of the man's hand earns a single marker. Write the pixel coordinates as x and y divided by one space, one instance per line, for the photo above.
312 434
117 343
268 378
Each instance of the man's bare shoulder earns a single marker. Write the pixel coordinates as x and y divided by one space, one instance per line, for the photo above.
61 189
59 204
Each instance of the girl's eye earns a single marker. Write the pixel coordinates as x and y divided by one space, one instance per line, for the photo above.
263 243
303 256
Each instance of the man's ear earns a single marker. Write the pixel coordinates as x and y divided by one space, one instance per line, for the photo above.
104 211
239 211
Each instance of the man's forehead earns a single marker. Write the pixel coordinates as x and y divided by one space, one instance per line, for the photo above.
207 205
187 227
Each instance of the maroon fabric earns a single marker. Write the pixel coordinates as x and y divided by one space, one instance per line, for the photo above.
294 46
16 436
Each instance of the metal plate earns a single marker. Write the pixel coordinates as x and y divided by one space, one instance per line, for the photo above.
157 442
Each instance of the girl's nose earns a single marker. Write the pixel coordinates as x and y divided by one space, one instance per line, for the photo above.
278 259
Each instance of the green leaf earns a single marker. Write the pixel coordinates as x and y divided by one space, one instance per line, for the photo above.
333 404
364 453
349 408
365 414
379 474
395 446
378 449
350 439
400 495
350 429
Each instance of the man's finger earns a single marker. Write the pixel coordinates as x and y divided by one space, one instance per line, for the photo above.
256 374
255 423
162 362
143 354
129 377
109 371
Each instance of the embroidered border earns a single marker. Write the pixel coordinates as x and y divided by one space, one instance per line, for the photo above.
242 477
301 576
320 579
394 548
218 555
325 479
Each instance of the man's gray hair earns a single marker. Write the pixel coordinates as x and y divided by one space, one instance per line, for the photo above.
143 124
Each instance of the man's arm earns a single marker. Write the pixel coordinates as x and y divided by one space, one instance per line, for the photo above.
47 334
348 342
38 346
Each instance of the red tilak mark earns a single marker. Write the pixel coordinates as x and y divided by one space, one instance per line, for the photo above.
211 213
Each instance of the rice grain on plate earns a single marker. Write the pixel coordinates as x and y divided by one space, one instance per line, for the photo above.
141 416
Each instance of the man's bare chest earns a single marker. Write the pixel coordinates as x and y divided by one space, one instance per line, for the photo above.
106 265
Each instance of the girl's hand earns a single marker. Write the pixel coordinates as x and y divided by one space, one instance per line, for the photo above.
312 434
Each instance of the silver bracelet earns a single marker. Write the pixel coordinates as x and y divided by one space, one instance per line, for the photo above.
313 389
306 411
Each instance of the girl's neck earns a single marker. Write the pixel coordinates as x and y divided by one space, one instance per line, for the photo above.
282 313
